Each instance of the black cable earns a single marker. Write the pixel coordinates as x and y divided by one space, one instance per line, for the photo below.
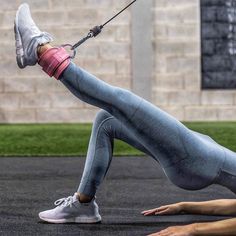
118 13
98 29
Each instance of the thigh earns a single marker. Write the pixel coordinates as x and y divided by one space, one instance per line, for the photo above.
189 160
200 164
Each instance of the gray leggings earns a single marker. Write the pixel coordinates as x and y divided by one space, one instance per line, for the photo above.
189 159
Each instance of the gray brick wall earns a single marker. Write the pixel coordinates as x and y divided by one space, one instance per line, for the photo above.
29 95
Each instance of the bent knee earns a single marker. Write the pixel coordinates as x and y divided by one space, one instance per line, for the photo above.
106 124
101 116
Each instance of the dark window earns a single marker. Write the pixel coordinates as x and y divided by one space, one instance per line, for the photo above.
218 32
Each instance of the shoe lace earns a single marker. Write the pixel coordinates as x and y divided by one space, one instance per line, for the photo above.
64 202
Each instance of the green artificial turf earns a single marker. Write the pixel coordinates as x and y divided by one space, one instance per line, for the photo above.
72 139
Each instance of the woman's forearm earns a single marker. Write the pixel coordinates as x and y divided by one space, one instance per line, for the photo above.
215 207
221 228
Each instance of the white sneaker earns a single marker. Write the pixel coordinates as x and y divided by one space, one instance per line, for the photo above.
70 210
28 37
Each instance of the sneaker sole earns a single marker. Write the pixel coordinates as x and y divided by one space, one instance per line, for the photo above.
79 220
19 46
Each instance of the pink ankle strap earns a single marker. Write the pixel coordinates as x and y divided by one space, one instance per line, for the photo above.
54 61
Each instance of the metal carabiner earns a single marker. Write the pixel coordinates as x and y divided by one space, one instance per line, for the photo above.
71 49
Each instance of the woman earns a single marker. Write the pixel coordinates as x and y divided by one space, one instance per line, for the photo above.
190 160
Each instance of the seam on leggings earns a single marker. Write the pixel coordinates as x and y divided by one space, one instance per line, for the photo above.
182 142
71 88
220 169
75 91
186 153
77 83
132 115
99 127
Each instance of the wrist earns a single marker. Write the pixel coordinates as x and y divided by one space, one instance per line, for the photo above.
202 229
195 229
182 206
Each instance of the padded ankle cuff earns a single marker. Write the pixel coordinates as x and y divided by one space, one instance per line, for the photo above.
54 61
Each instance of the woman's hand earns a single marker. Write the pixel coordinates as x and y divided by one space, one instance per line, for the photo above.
172 209
188 230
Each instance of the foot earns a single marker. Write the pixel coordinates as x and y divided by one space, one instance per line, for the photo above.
28 37
70 210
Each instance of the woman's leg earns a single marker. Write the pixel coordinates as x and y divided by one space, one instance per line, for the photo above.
180 151
106 128
190 160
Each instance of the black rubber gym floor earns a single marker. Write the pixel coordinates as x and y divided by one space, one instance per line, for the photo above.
30 185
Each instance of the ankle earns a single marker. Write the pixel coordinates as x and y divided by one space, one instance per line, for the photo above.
53 60
43 48
84 198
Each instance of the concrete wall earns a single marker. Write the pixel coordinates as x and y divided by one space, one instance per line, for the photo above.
29 95
172 40
177 66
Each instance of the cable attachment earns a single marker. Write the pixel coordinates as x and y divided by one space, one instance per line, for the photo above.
92 33
96 30
82 41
